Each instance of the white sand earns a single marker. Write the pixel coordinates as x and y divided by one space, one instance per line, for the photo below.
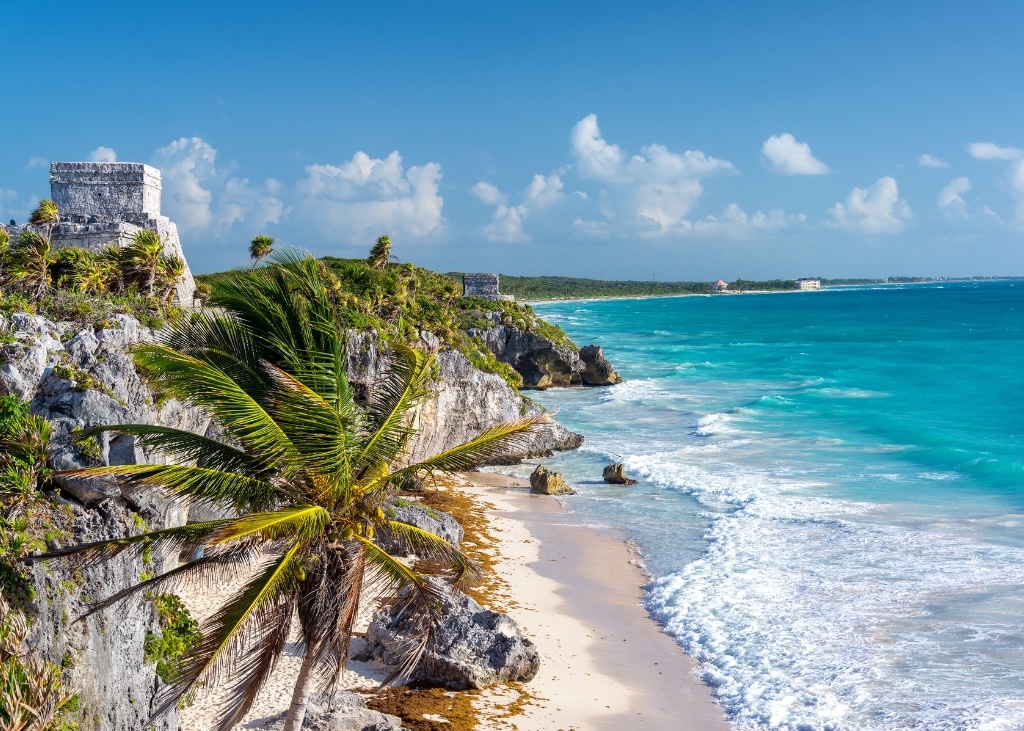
576 594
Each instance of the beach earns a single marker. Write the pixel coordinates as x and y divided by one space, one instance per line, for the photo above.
605 664
575 592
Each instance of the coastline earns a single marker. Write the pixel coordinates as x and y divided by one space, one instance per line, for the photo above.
605 663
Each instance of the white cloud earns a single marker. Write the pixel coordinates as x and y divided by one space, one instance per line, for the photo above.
930 161
591 229
37 162
489 194
651 193
738 224
789 157
102 154
11 207
990 151
878 209
951 196
543 191
507 221
365 197
200 198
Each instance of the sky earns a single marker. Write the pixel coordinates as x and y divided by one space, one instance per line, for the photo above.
664 140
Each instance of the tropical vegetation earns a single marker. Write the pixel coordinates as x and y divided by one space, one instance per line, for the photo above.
306 469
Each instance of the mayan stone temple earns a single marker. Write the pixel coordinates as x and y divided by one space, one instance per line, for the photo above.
483 285
104 204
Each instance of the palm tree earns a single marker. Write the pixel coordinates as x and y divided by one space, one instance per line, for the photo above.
260 247
380 254
172 268
29 264
142 257
310 472
45 214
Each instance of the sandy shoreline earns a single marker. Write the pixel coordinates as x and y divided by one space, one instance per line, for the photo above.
605 664
576 593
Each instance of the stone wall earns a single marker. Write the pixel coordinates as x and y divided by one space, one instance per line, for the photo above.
480 285
105 191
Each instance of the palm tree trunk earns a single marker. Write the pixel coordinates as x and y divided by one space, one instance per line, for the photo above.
300 697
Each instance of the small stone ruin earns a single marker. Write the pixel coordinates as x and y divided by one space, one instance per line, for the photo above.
104 204
483 285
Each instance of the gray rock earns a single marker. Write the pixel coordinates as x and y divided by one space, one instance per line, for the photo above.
616 474
466 402
541 362
428 519
344 712
597 371
549 483
475 647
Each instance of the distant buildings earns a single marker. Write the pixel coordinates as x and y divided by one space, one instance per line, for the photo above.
721 286
809 283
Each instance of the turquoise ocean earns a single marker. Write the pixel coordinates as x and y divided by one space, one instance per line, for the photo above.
831 497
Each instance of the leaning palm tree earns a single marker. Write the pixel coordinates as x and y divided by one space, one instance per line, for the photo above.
142 257
29 263
309 470
45 214
260 247
380 254
171 269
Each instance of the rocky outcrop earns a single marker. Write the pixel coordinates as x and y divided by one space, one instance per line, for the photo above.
77 378
467 401
597 370
344 711
474 648
549 483
434 521
541 362
616 474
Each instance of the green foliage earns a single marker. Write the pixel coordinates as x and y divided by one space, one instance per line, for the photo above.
380 254
308 467
45 214
261 247
87 445
179 633
34 695
481 357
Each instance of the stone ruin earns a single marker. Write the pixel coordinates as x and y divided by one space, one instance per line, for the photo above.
104 204
483 285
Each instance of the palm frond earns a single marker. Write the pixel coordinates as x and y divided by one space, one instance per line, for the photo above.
432 547
213 487
228 635
184 536
387 415
300 524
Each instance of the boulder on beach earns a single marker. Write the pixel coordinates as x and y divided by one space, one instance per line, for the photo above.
549 483
421 516
474 647
344 711
616 474
597 370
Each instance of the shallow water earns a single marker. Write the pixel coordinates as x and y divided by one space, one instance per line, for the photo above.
831 497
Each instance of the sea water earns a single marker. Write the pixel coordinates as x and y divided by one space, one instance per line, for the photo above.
831 497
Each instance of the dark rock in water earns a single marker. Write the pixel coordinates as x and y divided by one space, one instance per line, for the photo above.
598 371
616 474
344 711
549 483
421 516
475 647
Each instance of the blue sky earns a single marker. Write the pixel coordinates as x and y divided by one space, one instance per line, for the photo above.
681 141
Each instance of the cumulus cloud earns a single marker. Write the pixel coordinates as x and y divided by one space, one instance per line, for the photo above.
364 197
102 154
738 224
12 206
200 198
35 163
790 157
930 161
991 151
653 191
878 209
951 196
507 221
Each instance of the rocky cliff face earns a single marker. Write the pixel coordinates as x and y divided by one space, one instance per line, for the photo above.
79 378
467 402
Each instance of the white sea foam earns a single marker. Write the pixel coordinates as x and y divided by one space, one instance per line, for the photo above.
637 390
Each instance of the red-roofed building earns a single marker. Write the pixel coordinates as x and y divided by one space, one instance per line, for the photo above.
721 286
